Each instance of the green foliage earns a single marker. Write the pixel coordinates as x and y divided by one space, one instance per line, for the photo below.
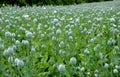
58 2
46 2
63 41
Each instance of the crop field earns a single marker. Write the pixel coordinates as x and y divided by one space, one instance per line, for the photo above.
60 41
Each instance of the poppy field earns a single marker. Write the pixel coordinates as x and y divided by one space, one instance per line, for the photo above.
60 41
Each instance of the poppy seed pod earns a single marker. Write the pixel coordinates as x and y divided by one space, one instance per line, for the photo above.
61 67
73 61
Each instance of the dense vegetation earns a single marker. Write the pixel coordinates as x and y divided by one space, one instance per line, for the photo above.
60 41
47 2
